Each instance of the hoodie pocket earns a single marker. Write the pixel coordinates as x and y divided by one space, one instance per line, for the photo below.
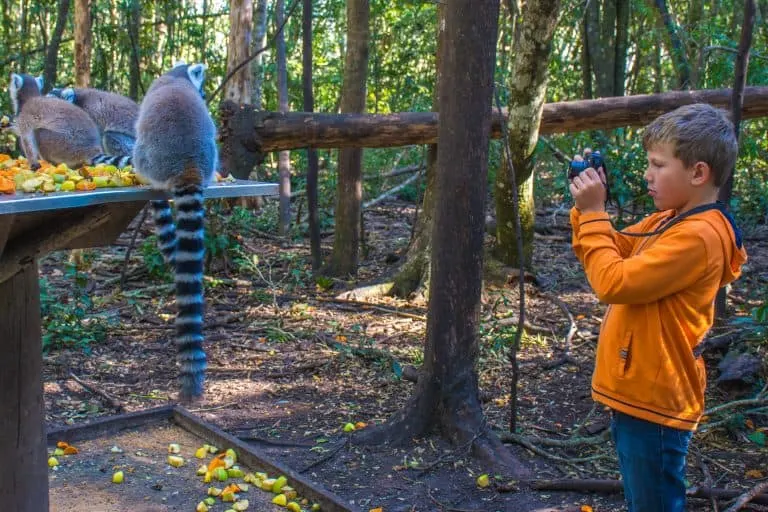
625 355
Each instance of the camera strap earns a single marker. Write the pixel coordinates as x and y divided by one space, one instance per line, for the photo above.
693 211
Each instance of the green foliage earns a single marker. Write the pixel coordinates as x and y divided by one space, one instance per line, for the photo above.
71 320
153 259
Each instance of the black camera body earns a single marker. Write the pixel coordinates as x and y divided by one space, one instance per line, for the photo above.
594 160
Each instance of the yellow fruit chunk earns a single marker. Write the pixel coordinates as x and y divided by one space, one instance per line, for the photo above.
118 477
208 477
53 462
68 186
228 497
280 499
243 487
483 481
201 452
175 461
289 492
293 506
349 427
212 449
267 484
174 448
202 507
235 472
279 484
261 476
240 505
202 470
228 462
315 507
214 491
58 452
231 454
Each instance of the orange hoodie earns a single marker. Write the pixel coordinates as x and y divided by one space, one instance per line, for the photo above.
661 292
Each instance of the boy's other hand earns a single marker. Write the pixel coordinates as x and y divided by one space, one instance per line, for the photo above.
588 191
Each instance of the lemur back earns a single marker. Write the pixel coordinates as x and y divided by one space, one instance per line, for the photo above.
176 151
53 129
114 114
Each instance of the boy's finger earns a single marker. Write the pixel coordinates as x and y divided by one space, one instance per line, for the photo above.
573 189
578 158
602 175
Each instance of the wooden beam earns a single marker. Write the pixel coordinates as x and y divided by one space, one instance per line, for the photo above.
24 482
247 133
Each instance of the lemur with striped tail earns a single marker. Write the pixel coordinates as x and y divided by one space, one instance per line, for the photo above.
55 130
114 114
176 151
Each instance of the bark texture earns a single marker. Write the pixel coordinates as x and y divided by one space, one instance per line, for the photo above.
238 88
83 43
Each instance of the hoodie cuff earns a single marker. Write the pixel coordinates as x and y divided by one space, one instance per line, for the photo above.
594 222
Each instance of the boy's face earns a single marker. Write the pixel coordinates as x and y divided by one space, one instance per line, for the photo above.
671 184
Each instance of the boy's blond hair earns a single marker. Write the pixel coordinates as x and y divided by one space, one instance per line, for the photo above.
699 133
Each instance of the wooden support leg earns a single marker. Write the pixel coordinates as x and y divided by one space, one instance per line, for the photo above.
24 474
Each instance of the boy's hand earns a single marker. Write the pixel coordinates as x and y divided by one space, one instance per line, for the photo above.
588 191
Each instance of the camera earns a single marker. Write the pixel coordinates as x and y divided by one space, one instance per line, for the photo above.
594 160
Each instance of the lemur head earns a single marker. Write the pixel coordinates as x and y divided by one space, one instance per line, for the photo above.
23 87
195 73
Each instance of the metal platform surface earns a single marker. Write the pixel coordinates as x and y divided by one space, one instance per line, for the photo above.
23 203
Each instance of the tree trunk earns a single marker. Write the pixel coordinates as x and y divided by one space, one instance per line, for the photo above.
622 44
284 157
586 61
260 41
52 53
676 47
238 88
737 102
349 184
446 396
134 22
251 133
83 38
413 277
312 163
528 89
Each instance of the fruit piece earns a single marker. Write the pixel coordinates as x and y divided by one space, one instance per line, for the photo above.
483 481
85 186
58 452
289 492
202 507
31 184
118 477
202 470
209 501
280 499
68 186
240 505
231 454
212 449
315 507
279 484
214 491
228 462
244 487
221 474
70 450
349 427
235 472
360 424
261 476
208 477
101 182
267 484
116 449
217 462
201 452
250 478
52 462
174 448
175 461
293 506
228 497
377 509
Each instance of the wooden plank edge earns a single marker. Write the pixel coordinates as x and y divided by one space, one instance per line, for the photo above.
109 425
252 458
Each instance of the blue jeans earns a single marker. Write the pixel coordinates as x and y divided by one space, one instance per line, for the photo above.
652 463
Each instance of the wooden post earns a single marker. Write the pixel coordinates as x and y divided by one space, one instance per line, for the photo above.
24 478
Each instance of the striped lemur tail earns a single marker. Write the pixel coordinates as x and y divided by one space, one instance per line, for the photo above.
186 252
118 161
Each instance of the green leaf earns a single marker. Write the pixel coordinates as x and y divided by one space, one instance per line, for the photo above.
757 437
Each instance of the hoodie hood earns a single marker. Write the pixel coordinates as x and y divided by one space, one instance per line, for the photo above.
730 238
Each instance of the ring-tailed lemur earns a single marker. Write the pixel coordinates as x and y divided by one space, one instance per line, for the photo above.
114 114
53 129
176 151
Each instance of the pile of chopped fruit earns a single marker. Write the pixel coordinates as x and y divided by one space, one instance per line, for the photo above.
17 176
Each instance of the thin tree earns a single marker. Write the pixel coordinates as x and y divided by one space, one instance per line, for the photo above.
134 22
284 157
349 185
238 88
83 43
446 396
312 163
52 53
259 41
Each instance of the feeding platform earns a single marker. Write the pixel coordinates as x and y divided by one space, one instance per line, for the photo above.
31 226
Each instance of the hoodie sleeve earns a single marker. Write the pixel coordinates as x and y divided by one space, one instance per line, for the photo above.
672 262
624 244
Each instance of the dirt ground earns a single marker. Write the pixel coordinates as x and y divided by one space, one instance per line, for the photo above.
289 365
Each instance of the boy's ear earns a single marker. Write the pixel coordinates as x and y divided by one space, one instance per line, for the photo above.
702 173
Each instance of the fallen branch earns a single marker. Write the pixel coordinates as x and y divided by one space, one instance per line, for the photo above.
112 401
761 399
392 191
522 441
559 443
326 457
566 357
708 481
129 250
748 496
616 487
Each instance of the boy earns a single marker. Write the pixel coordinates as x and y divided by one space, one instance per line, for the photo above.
659 278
